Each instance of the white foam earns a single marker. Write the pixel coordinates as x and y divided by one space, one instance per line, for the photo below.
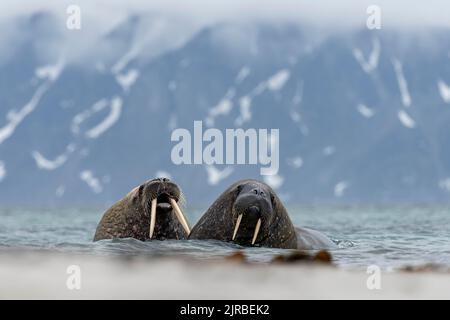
93 183
2 171
278 80
275 181
126 80
339 188
215 175
371 64
406 120
365 111
402 84
46 164
444 90
109 121
16 117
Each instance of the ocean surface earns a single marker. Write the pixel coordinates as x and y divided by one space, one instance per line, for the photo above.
390 237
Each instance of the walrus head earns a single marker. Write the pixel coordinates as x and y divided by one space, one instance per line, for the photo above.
248 213
159 199
251 210
149 211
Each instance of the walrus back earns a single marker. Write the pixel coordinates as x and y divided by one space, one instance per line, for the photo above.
113 223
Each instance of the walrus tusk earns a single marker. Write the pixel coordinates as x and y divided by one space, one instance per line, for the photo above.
152 217
255 235
180 216
238 222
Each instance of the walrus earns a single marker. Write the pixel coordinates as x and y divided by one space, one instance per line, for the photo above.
250 213
148 212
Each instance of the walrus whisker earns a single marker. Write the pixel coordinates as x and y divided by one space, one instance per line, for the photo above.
153 217
238 222
255 235
180 216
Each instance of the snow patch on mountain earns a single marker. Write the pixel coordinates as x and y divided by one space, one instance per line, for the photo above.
50 72
125 60
298 96
224 107
274 83
329 150
340 188
16 117
295 162
126 80
109 121
278 80
444 90
242 75
370 64
245 104
215 176
2 171
59 192
93 183
444 184
402 83
86 114
163 174
365 111
406 120
46 164
275 181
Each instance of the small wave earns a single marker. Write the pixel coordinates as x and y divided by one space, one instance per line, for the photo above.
342 244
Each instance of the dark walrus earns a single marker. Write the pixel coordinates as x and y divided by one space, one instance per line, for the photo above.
250 213
149 211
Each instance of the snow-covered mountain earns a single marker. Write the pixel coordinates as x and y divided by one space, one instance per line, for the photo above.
364 116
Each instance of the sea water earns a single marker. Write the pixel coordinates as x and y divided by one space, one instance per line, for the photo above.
390 237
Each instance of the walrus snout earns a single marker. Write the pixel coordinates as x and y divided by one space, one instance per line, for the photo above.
163 203
164 196
254 212
250 217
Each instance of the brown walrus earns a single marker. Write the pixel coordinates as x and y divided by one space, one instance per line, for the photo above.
250 213
149 211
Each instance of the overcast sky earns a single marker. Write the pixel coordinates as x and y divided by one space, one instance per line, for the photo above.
330 12
176 21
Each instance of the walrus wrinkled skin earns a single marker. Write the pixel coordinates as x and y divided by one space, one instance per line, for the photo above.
250 213
130 216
